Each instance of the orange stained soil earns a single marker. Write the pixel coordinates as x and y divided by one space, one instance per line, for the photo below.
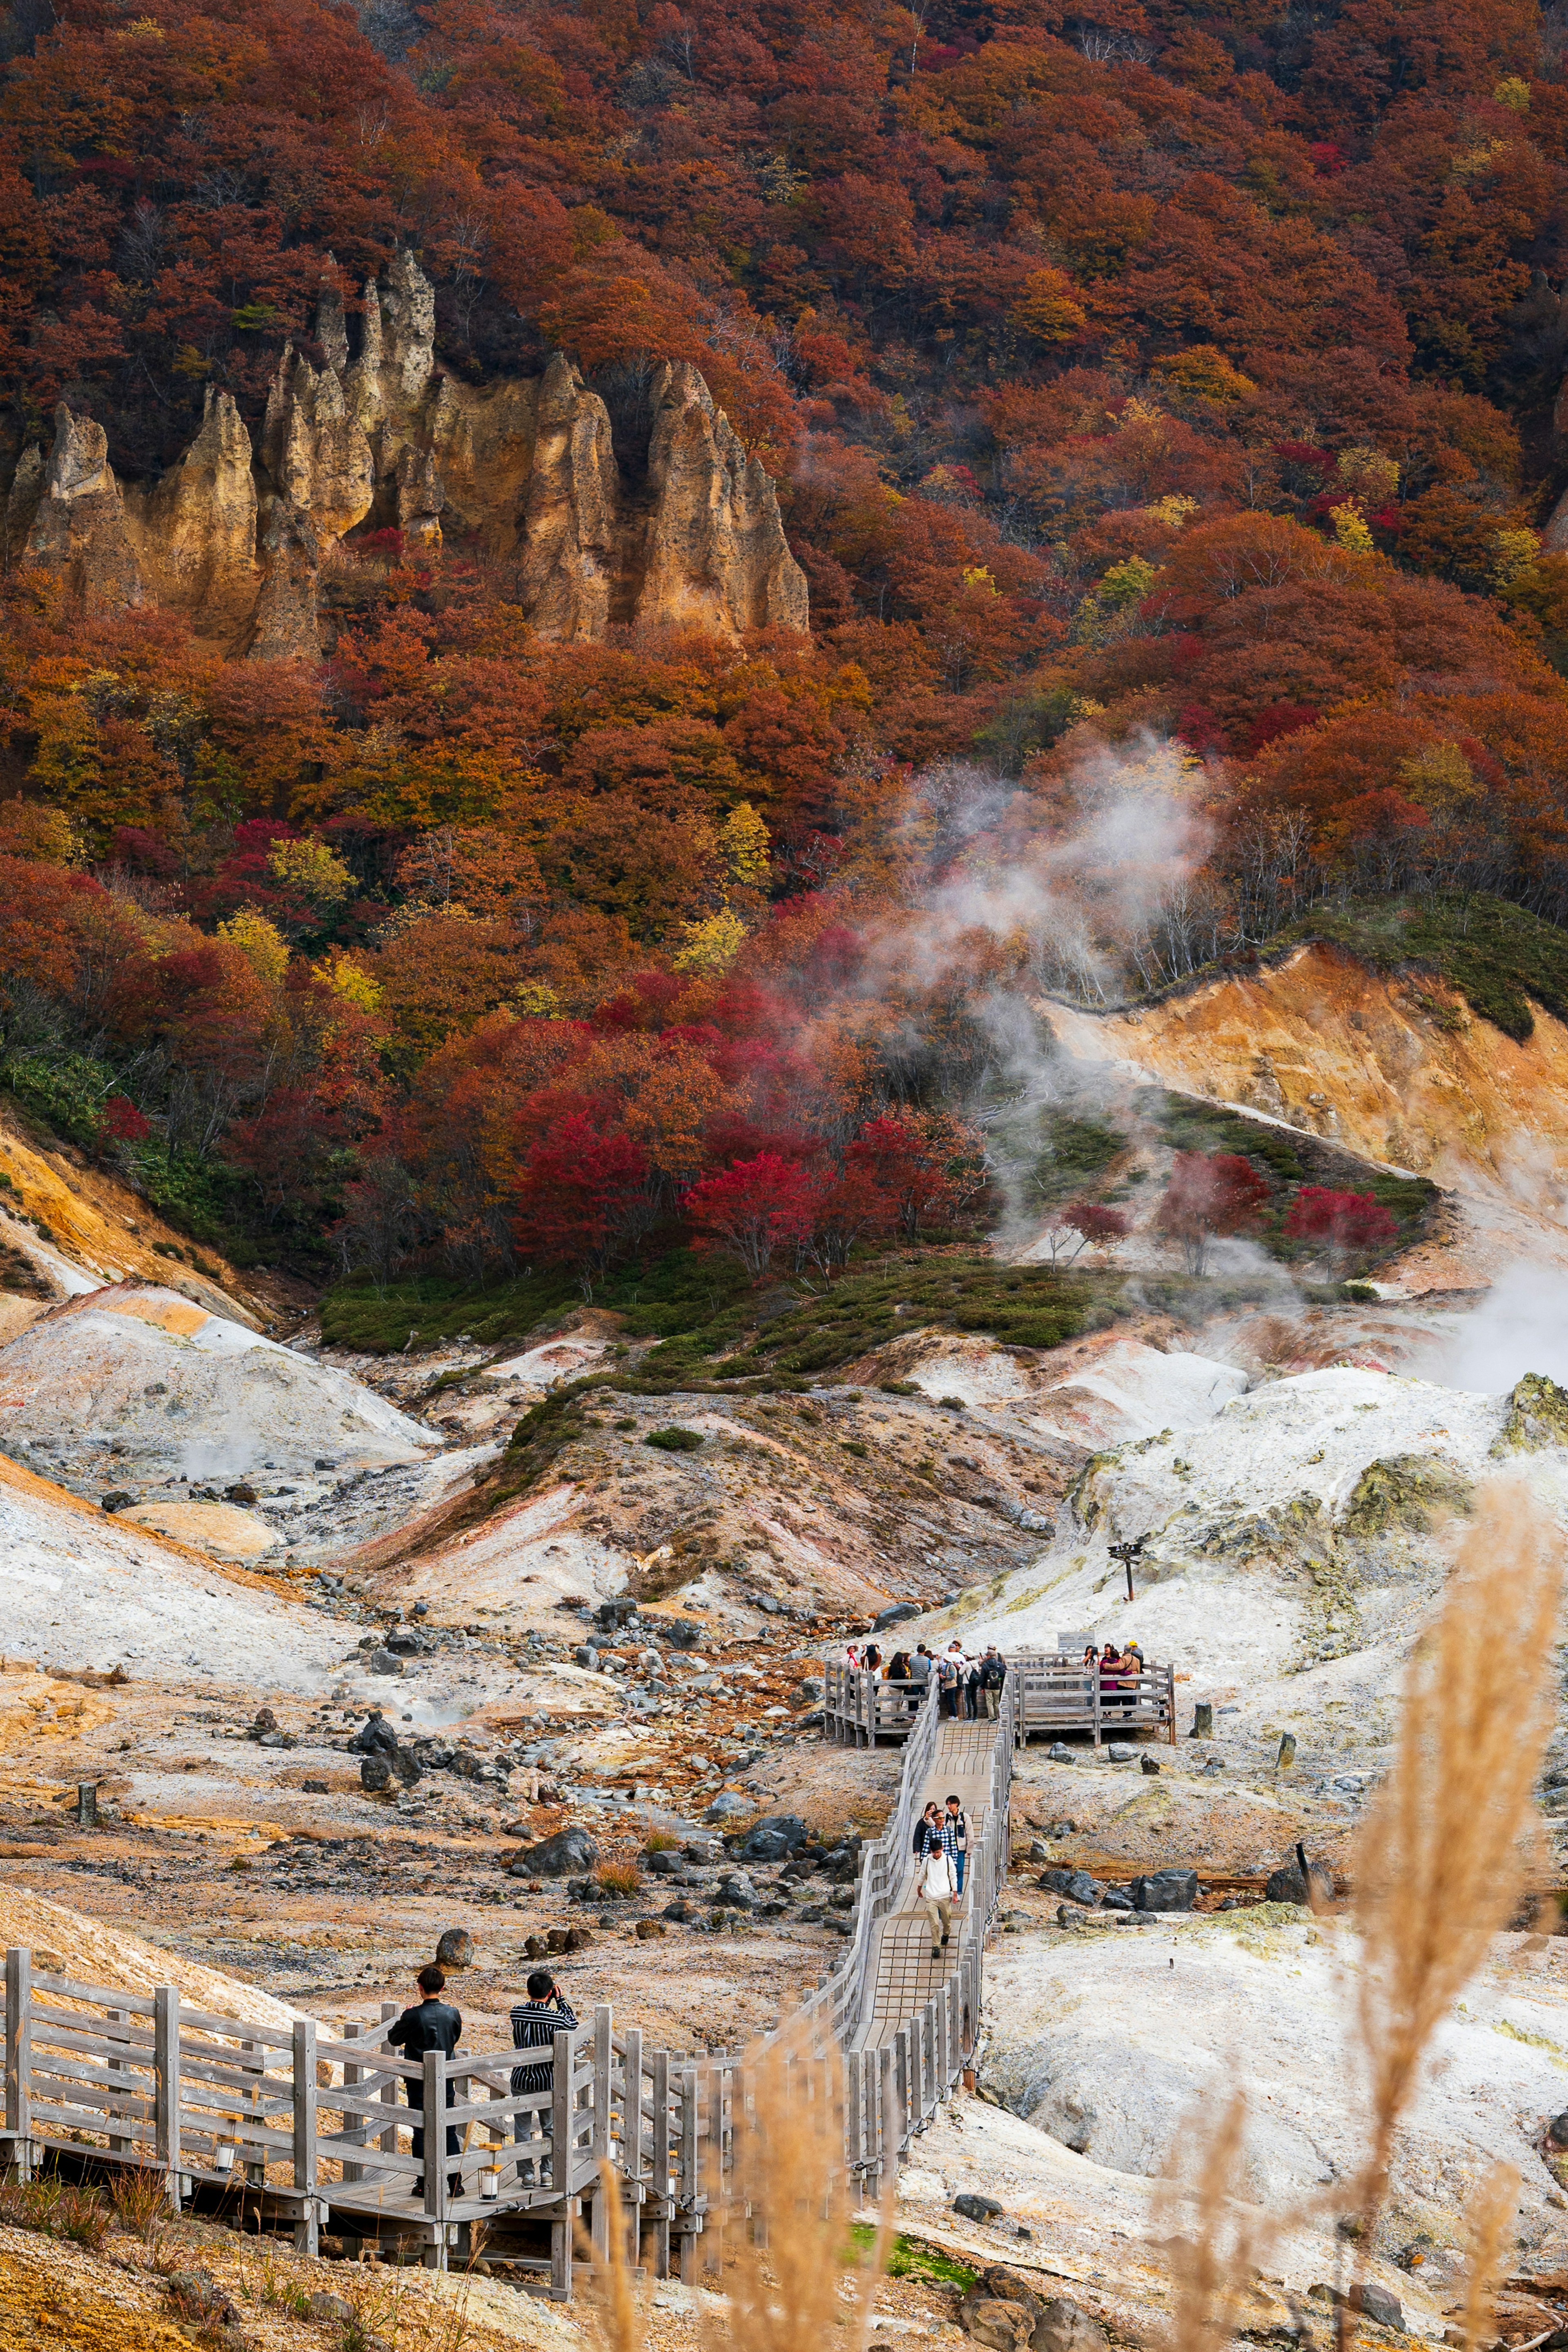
1394 1067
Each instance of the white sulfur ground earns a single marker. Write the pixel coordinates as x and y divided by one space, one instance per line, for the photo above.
135 1385
1235 1507
1109 2050
80 1590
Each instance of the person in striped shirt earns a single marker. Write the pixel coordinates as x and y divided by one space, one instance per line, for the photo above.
535 2023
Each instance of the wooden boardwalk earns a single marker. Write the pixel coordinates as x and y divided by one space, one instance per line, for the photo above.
902 1976
307 2126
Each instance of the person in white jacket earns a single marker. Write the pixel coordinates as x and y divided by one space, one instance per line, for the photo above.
938 1884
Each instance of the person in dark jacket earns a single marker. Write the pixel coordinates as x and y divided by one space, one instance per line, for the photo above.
535 2023
434 2024
928 1831
993 1674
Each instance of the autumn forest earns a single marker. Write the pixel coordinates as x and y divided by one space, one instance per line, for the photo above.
1161 404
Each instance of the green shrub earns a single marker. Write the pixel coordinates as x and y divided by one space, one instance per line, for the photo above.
674 1441
67 1091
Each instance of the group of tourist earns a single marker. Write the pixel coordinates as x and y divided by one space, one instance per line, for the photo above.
967 1686
941 1850
1118 1671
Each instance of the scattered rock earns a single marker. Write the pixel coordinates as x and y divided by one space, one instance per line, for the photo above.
322 2306
1002 2326
266 1721
648 1929
727 1807
384 1661
568 1851
1375 2302
774 1838
1062 2326
896 1615
1121 1754
975 2207
375 1774
242 1493
1149 1765
1300 1881
1116 1898
116 1500
1078 1884
315 1788
456 1949
1165 1890
375 1732
1059 1753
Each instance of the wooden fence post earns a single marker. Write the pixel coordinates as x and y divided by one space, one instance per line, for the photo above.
355 2127
388 2138
435 2130
604 2113
166 2064
118 2144
20 2057
308 2227
562 2111
658 2155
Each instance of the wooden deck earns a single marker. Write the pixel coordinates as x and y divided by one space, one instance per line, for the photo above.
859 1708
308 2128
1055 1693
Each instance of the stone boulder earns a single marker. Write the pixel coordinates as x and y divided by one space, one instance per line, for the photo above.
773 1839
374 1736
1165 1890
1075 1884
568 1853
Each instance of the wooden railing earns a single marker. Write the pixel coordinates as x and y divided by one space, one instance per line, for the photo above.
312 2123
860 1707
1057 1693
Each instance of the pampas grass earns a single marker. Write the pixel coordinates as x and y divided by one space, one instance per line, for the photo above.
1213 2260
1438 1865
778 2221
1489 2230
1437 1872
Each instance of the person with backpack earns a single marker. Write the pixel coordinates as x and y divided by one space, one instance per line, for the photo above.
950 1672
993 1674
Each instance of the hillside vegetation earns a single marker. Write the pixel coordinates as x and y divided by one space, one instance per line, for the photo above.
1161 411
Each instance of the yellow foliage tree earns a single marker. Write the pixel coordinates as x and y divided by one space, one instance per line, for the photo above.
1350 530
350 980
262 943
311 869
710 945
1049 308
743 838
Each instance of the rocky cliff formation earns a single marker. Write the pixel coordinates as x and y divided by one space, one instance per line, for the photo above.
238 534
